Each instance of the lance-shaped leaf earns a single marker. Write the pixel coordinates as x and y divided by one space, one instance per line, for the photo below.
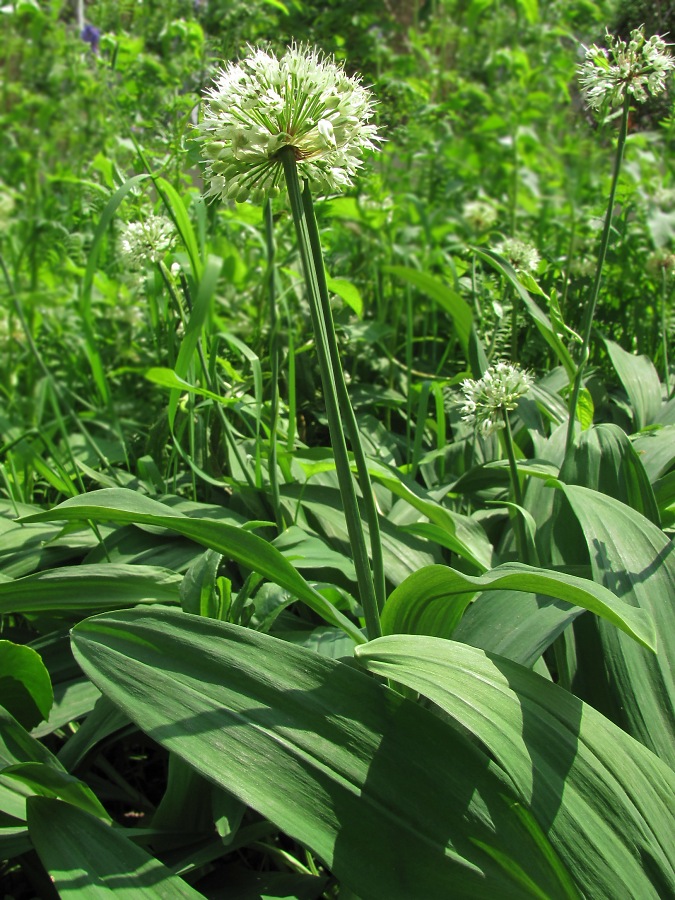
86 857
605 801
89 588
634 557
432 600
128 507
395 801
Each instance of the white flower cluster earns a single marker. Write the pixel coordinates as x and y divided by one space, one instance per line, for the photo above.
661 260
499 389
523 257
479 214
146 241
262 104
633 69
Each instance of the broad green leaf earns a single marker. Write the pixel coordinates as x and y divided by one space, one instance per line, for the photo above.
632 556
87 858
585 409
641 381
72 700
25 686
396 802
515 625
27 767
124 506
89 588
45 779
656 449
105 719
307 551
604 801
605 460
433 600
467 537
322 504
346 291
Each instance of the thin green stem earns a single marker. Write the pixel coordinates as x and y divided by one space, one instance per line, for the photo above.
274 368
589 311
664 329
323 334
515 486
346 409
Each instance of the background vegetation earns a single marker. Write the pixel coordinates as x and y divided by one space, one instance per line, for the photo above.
223 728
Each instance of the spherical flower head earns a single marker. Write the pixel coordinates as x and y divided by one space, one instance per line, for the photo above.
479 215
146 241
632 69
661 261
522 257
261 105
499 389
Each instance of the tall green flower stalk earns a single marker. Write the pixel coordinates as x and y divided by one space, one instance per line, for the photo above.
612 78
271 122
662 264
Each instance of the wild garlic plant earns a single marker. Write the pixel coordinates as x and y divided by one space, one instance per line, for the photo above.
270 121
615 77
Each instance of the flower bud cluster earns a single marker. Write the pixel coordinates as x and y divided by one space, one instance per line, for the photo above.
634 69
499 389
146 241
263 104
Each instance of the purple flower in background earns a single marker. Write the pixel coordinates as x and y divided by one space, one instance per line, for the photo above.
91 35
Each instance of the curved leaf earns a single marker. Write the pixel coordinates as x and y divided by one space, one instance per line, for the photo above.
641 381
515 625
605 459
436 596
85 857
62 592
395 801
25 686
121 505
605 802
632 556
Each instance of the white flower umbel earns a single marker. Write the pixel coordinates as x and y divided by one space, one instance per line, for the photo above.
523 257
262 104
481 216
147 241
632 69
499 389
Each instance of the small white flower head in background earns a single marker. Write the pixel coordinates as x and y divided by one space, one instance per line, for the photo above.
661 261
146 241
632 69
500 388
479 214
262 104
523 257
